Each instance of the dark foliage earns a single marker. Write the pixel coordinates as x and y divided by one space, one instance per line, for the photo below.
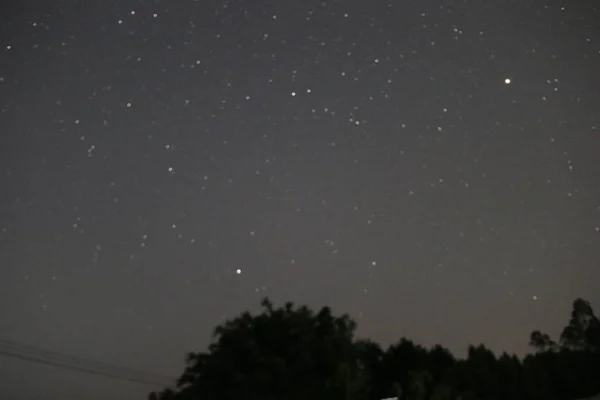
292 353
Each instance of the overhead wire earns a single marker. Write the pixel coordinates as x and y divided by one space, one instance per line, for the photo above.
37 351
35 354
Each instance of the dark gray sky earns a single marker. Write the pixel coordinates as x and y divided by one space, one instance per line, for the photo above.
431 168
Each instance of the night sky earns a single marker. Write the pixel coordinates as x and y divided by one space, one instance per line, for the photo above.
431 168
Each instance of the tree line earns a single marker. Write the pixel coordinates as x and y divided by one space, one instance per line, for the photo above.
295 353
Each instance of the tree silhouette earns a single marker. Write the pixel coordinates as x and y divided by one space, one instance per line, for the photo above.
371 356
583 331
293 353
541 341
571 368
282 353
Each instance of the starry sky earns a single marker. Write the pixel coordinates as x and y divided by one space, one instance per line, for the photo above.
429 167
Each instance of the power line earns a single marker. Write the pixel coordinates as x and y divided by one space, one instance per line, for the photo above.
53 358
34 354
61 357
78 369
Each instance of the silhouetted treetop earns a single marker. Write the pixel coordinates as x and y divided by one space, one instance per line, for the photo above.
295 353
582 332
